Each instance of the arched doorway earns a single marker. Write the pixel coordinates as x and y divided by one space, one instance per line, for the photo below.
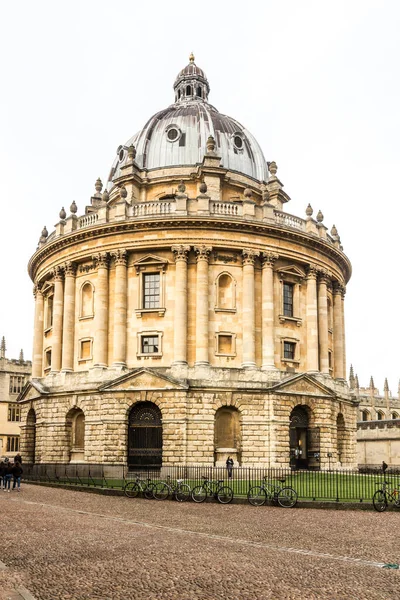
30 437
227 436
145 436
299 437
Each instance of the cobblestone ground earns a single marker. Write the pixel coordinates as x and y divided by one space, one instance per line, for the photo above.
62 544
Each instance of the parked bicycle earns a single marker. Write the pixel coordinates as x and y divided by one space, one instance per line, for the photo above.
222 493
178 490
139 486
384 495
285 496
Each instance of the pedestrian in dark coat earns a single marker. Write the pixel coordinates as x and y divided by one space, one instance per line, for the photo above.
229 466
3 469
8 476
18 458
17 472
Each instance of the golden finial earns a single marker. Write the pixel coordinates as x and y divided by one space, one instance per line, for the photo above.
191 57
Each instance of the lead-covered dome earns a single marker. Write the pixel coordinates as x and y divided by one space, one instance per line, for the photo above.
177 135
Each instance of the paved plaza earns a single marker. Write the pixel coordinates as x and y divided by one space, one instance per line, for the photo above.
65 544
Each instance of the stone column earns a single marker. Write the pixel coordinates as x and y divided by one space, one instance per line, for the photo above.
100 341
343 334
267 307
312 320
249 329
202 293
67 355
37 354
323 321
58 305
120 307
338 330
180 316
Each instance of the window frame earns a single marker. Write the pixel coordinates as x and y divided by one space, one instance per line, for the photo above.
46 366
296 342
149 333
12 443
230 334
150 265
13 409
19 386
80 341
293 276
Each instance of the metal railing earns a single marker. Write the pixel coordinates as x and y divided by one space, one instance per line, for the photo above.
333 485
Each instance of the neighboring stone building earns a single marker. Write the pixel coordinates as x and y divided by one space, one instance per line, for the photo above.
378 427
14 374
186 316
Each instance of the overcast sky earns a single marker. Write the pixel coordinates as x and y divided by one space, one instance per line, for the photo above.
316 82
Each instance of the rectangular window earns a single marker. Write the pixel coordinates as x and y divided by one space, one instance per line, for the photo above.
12 443
150 344
47 359
224 344
289 349
49 312
86 350
288 299
151 290
14 412
17 382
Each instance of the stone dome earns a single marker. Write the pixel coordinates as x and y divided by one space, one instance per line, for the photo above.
177 135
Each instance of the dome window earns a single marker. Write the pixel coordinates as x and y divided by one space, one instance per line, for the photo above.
173 133
188 90
121 154
238 141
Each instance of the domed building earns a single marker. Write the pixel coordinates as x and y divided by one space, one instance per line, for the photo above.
186 316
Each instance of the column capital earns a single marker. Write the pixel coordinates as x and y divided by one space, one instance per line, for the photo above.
269 258
58 273
202 252
339 288
69 268
120 257
101 260
249 256
312 272
180 252
324 276
37 289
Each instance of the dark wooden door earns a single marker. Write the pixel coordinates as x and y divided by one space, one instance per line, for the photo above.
145 437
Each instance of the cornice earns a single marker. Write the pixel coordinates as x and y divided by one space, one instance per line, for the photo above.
186 222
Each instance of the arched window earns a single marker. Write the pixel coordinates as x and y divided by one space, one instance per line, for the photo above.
179 94
225 292
145 436
340 437
87 297
395 415
75 427
188 90
365 415
30 437
380 416
227 428
198 92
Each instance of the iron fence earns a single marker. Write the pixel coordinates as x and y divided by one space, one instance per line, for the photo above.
333 485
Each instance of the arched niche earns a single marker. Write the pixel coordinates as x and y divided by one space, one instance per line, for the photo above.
225 292
340 438
227 435
30 437
75 423
86 300
145 436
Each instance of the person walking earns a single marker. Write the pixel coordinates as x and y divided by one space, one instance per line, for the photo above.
384 467
8 476
17 472
229 466
3 469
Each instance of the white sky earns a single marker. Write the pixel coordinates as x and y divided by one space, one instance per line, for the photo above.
316 82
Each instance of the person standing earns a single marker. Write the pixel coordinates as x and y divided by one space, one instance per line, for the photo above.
17 472
8 476
18 458
229 466
3 469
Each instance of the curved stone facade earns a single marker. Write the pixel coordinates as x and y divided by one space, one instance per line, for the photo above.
188 288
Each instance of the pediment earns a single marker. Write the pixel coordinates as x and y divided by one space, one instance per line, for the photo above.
303 384
143 379
31 391
150 260
292 270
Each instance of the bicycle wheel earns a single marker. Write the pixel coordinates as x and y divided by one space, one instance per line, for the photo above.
199 493
161 491
287 497
149 491
131 489
182 493
225 494
257 496
379 501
